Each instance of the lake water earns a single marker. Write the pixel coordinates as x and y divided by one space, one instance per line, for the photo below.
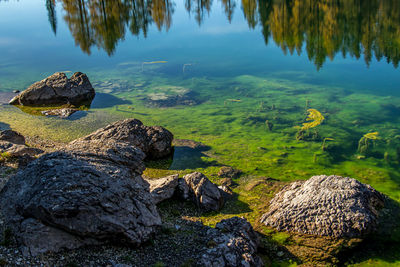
236 76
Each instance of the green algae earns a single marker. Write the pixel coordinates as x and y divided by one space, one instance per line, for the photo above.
238 134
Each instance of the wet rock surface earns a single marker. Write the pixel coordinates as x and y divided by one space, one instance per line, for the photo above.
57 89
234 243
326 206
154 141
204 193
91 192
62 113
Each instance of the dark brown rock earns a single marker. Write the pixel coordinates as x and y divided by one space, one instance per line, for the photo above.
229 172
57 89
327 206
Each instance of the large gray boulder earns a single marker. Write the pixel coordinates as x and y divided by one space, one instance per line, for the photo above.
327 206
154 141
233 243
203 192
91 192
57 89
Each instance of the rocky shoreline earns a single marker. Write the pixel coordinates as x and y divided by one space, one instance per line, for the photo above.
87 203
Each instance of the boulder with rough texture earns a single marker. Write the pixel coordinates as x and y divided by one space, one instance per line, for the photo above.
327 206
163 188
234 243
204 193
91 192
154 141
57 89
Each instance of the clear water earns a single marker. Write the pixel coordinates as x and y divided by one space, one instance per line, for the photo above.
245 63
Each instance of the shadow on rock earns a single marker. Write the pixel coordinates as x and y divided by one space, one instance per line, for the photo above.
384 244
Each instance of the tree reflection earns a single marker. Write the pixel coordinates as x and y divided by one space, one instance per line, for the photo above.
51 12
321 28
325 28
103 22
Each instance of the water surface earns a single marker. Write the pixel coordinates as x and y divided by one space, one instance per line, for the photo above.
238 76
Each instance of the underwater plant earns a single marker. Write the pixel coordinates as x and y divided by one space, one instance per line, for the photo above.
153 62
324 142
185 65
363 144
315 118
269 125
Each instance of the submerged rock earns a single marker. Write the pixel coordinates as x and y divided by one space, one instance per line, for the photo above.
12 137
154 141
62 113
91 192
233 243
171 96
57 89
204 193
327 206
229 172
12 144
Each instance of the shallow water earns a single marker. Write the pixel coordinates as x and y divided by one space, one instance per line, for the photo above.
241 75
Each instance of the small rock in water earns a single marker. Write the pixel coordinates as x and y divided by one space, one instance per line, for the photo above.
16 91
62 113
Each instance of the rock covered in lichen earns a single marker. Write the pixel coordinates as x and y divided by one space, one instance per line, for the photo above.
327 206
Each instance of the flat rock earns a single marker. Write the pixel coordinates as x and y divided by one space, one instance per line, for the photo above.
57 89
233 243
203 192
332 206
62 113
163 188
154 141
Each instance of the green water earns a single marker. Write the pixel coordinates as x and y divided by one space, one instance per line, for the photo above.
244 73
